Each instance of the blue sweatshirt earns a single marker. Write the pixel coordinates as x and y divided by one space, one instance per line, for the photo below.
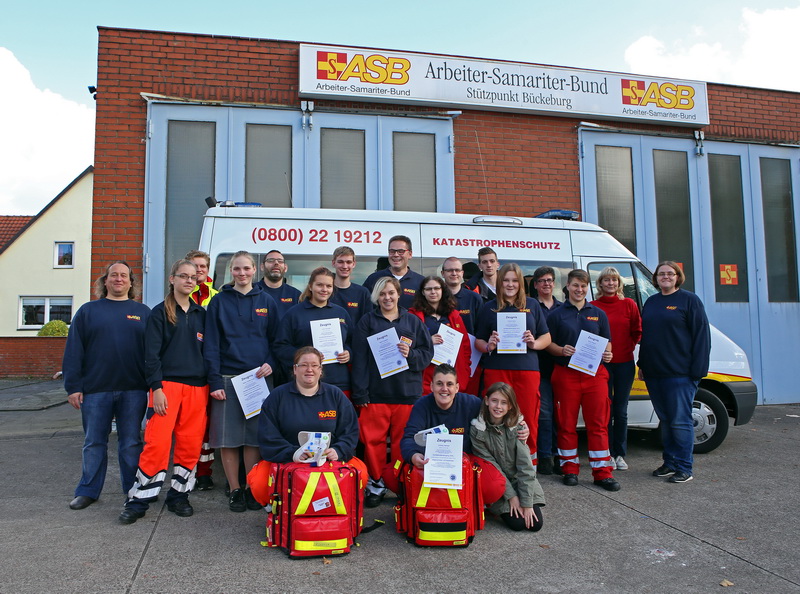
469 306
400 388
567 321
286 412
355 299
105 347
546 362
285 296
534 321
426 414
175 353
409 284
240 330
295 332
676 338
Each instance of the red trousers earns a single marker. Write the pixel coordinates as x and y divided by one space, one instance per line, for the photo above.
186 421
375 423
526 387
206 459
573 390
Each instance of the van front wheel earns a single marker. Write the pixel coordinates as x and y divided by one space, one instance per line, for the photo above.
710 421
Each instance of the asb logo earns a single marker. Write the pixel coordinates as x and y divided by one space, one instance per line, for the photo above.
374 69
665 95
728 274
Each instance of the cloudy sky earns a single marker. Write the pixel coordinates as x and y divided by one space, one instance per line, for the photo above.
48 54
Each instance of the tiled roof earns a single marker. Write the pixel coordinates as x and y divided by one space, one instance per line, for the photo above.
10 225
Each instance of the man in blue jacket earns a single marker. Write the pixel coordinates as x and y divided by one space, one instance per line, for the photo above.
400 253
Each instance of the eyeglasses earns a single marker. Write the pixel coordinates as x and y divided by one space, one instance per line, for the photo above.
275 261
184 277
312 366
545 281
667 274
448 270
397 252
432 288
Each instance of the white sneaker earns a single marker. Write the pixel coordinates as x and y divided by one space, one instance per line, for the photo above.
613 464
621 464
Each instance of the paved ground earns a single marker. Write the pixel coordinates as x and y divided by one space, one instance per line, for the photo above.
737 521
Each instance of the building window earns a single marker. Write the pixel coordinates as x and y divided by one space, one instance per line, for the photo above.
63 254
35 312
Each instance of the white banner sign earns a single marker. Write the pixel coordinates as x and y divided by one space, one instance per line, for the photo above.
403 77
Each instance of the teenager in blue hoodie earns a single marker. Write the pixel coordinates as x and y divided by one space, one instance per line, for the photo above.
240 331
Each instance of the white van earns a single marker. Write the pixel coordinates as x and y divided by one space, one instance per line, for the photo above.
308 237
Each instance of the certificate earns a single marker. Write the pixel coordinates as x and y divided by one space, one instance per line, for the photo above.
386 354
327 338
448 350
588 352
443 469
511 327
476 355
252 391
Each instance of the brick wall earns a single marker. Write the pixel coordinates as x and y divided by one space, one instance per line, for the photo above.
31 356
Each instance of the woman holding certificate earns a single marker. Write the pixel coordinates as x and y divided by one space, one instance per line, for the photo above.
580 380
240 330
317 322
510 331
435 305
391 349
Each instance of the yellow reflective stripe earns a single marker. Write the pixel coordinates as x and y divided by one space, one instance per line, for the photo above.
308 493
424 493
441 536
397 464
455 503
336 493
320 545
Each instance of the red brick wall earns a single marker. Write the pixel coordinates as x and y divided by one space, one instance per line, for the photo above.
31 356
517 163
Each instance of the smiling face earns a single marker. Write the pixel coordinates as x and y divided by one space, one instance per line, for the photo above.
545 285
510 285
498 407
432 291
399 257
242 270
202 268
609 285
577 290
388 299
344 265
444 387
453 273
667 279
184 280
118 282
274 266
321 289
308 371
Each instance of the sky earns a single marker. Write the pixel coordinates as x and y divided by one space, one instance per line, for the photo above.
48 54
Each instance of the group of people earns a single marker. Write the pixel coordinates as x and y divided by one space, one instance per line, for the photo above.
517 412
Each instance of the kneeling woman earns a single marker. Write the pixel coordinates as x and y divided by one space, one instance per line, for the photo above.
494 439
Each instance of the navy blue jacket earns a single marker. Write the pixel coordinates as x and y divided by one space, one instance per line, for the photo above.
534 321
676 338
175 353
286 412
426 414
240 330
400 388
567 321
285 296
409 284
105 347
469 306
355 299
295 332
546 362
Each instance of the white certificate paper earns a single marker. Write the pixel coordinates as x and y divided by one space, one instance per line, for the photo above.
447 352
443 470
327 338
385 352
588 352
476 355
511 327
252 391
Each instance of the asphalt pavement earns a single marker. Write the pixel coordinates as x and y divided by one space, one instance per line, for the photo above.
735 526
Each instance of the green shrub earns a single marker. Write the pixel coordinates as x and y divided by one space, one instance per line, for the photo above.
54 328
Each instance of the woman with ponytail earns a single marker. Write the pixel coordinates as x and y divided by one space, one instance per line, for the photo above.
177 376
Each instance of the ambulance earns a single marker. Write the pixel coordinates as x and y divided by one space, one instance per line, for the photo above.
308 237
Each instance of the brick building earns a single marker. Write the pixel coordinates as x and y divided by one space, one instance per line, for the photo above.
183 116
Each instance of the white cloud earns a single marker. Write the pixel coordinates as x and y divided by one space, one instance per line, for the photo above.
759 54
46 140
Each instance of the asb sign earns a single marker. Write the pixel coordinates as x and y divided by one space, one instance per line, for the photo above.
442 81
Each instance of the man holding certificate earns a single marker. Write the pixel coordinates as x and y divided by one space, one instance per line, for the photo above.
581 335
511 330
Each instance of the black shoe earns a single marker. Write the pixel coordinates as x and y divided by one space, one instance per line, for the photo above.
181 508
609 484
236 503
571 480
663 470
374 499
204 483
680 477
250 501
545 466
130 515
81 502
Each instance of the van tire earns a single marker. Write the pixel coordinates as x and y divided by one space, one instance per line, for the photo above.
710 420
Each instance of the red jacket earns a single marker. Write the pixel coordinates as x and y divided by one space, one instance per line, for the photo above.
464 353
626 326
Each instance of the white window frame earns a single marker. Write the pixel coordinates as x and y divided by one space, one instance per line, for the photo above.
20 319
55 254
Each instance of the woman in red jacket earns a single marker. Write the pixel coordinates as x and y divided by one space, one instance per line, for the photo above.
626 331
435 305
